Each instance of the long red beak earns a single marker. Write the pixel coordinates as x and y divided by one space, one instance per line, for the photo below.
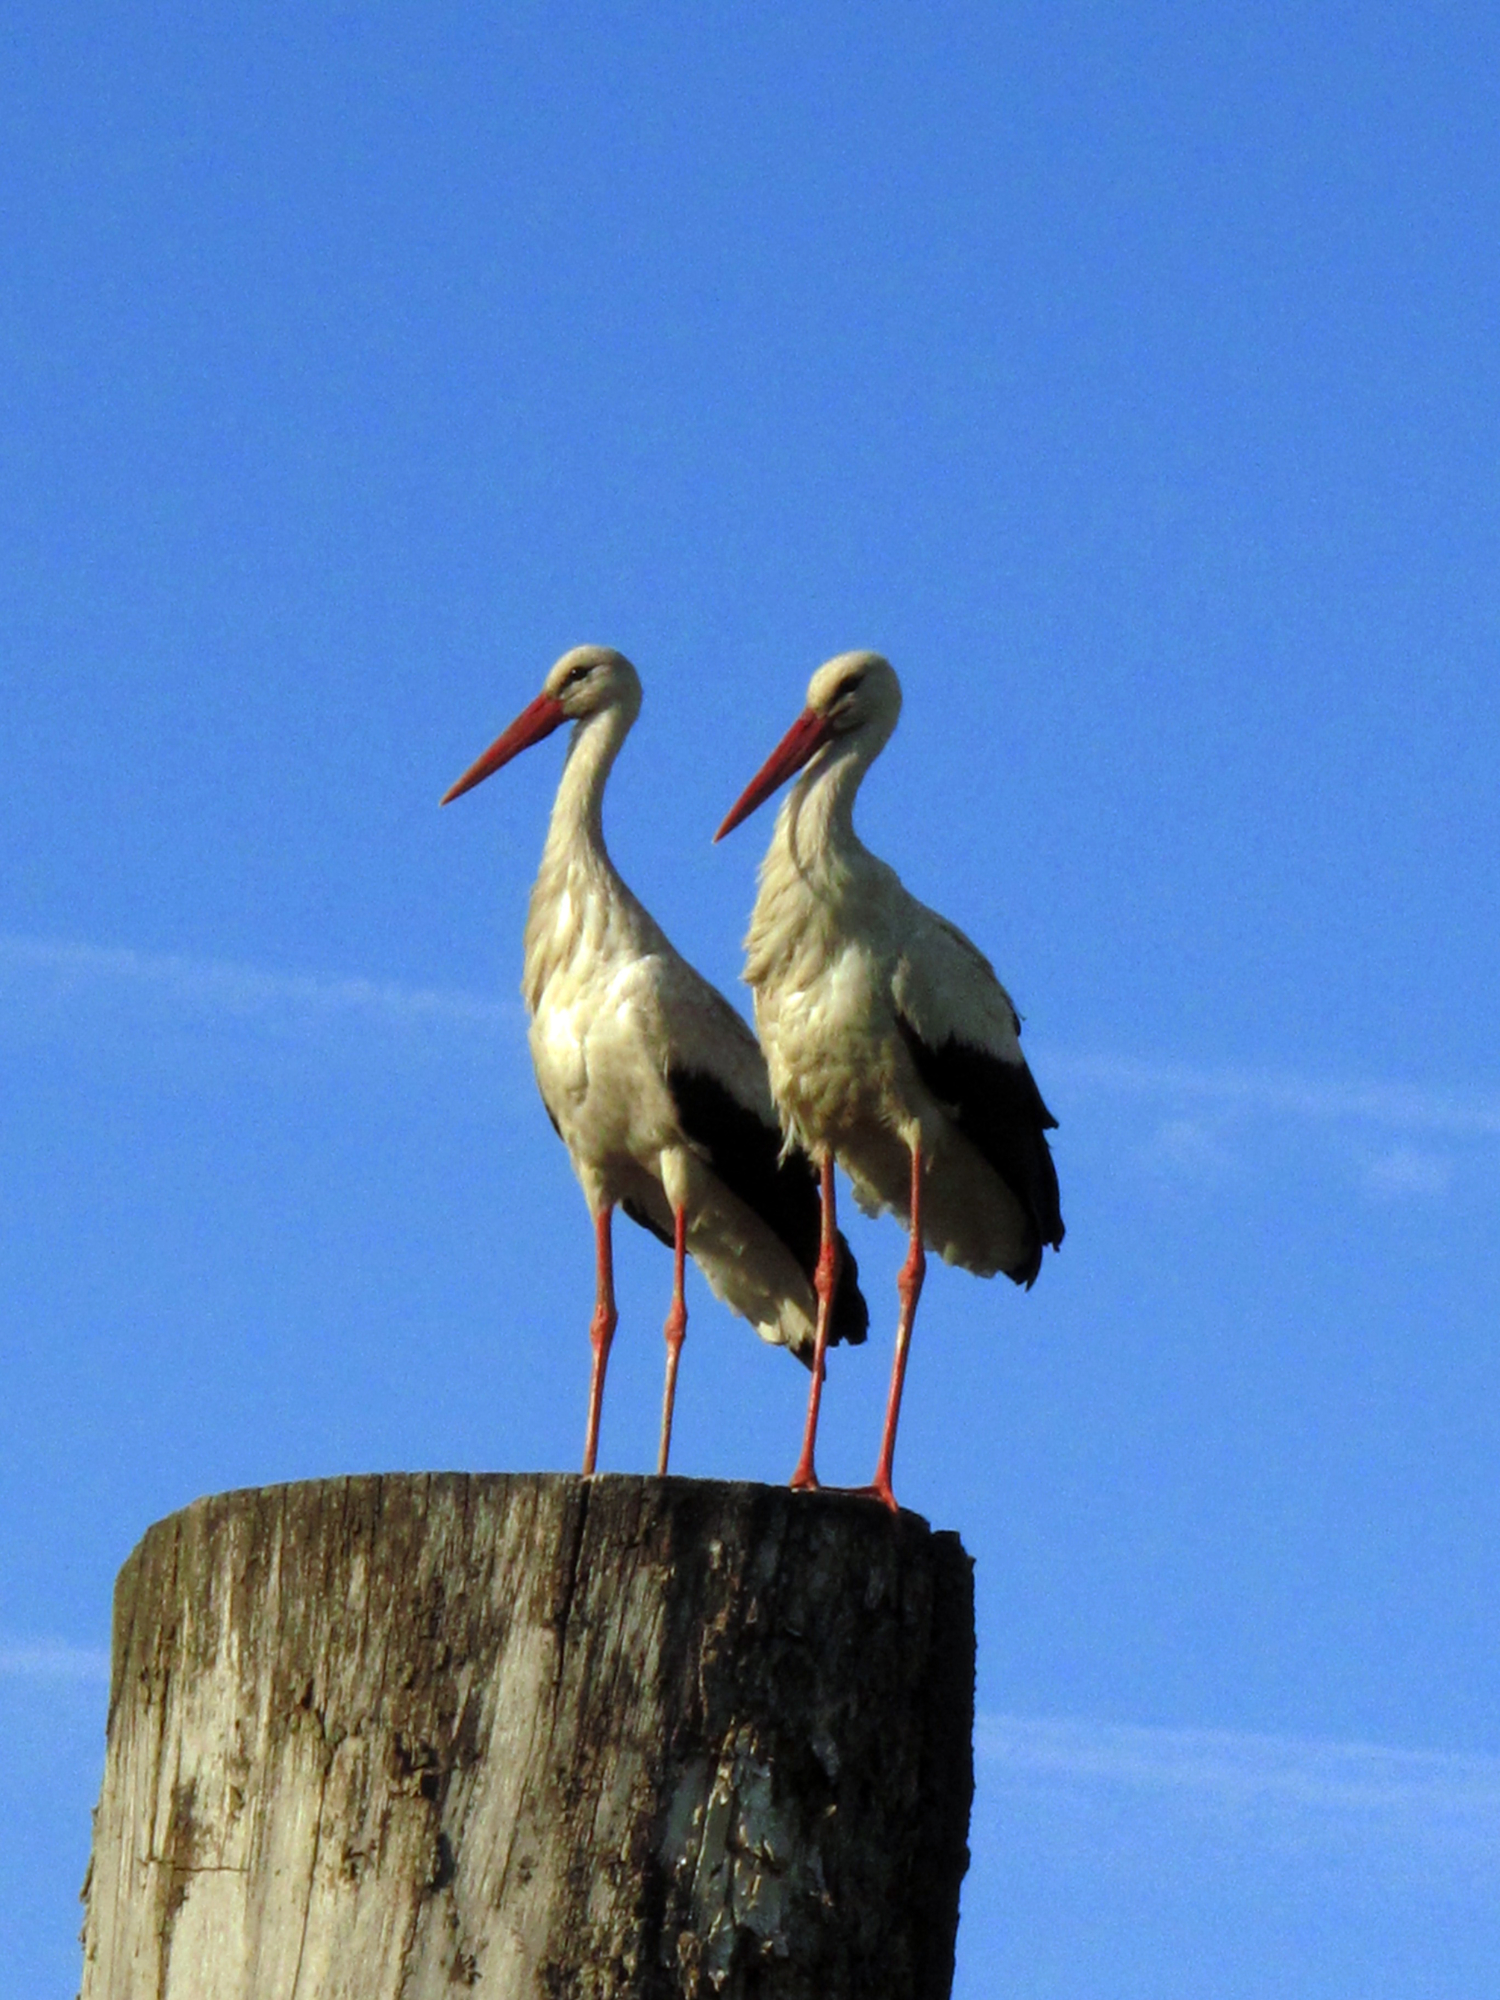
538 719
799 746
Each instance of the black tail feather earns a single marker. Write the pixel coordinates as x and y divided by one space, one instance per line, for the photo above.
999 1110
746 1153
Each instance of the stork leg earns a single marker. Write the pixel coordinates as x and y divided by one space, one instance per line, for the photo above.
825 1283
675 1329
909 1286
601 1330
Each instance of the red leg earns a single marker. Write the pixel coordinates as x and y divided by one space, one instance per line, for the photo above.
676 1328
909 1285
825 1282
601 1331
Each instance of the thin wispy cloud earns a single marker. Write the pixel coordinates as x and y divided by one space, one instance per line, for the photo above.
1397 1106
1404 1808
1188 1146
65 974
52 1660
1405 1171
64 979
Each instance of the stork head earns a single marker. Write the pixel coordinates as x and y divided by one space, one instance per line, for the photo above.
853 699
584 683
591 678
856 691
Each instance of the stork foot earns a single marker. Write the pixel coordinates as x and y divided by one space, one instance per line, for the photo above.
879 1489
805 1479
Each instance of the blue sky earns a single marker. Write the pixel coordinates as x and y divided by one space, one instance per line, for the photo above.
1129 377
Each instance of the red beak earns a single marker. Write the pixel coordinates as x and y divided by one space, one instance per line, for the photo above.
799 746
538 719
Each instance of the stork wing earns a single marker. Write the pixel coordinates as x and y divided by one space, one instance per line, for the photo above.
964 1037
718 1083
704 1033
946 987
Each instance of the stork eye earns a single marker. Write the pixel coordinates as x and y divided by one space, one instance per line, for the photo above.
576 674
848 685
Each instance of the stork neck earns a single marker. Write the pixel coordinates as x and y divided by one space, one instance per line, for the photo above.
816 823
578 810
576 886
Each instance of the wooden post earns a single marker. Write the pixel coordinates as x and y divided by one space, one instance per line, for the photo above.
543 1737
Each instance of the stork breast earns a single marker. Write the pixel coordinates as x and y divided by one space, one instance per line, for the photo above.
828 1043
557 1055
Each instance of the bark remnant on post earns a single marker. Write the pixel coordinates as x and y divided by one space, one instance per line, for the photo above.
545 1738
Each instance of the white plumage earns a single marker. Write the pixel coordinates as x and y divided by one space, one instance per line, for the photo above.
650 1077
891 1044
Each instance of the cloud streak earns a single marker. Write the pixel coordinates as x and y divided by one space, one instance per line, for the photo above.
1395 1106
66 978
1408 1808
52 1660
68 975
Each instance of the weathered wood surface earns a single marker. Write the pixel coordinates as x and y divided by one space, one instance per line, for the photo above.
546 1738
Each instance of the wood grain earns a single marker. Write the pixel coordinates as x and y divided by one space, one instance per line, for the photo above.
537 1737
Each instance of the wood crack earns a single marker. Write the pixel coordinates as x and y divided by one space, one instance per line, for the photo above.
623 1740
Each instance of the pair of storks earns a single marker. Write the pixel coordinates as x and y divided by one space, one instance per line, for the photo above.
885 1042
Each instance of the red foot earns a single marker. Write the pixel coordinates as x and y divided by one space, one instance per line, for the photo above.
880 1490
805 1480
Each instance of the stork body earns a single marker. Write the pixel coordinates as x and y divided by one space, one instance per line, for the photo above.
649 1076
890 1042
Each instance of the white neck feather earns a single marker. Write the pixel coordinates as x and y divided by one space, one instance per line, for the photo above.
576 886
815 826
578 810
814 861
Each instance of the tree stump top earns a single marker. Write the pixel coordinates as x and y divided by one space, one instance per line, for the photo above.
537 1735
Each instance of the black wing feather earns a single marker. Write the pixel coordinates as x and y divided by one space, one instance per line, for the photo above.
745 1152
638 1215
999 1110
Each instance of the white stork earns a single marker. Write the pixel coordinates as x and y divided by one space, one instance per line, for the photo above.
650 1077
891 1044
